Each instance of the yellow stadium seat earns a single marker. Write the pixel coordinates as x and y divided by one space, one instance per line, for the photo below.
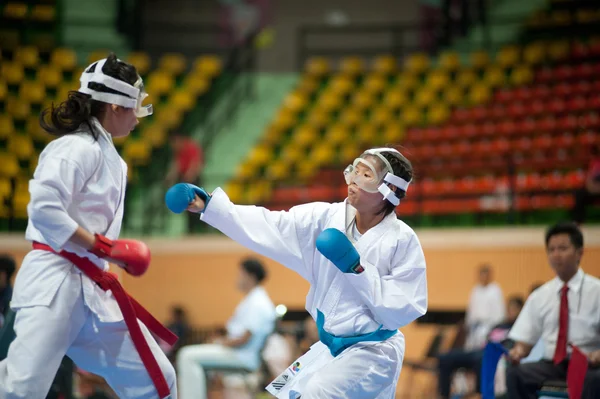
584 16
381 116
437 80
18 108
15 10
425 97
479 94
322 154
20 202
479 59
33 163
273 135
336 134
393 133
49 75
352 66
365 134
351 117
235 191
183 100
28 56
317 67
5 188
304 136
521 75
341 85
508 56
295 102
466 78
32 92
284 119
558 50
7 127
197 85
534 53
362 100
407 82
260 155
155 135
12 73
384 65
9 165
137 151
278 170
375 84
561 17
308 85
160 83
33 129
21 146
494 77
208 66
246 170
395 99
417 63
97 55
453 95
3 91
141 62
258 192
173 63
62 92
437 114
449 61
292 154
22 183
411 116
168 117
349 151
318 118
43 13
305 170
329 102
64 59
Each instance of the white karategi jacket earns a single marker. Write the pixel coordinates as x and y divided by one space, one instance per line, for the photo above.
391 292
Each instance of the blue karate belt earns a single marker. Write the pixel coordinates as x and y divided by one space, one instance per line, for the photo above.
337 345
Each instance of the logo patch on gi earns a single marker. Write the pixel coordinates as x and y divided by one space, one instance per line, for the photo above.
296 367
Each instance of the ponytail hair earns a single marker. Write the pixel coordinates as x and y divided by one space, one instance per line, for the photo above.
79 108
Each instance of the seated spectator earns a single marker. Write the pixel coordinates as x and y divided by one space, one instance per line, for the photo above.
590 190
471 359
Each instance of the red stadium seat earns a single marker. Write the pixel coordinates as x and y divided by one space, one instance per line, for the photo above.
547 124
590 120
541 92
516 110
488 129
524 94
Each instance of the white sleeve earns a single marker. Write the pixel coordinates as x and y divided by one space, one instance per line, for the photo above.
528 327
286 237
498 313
469 317
401 297
60 175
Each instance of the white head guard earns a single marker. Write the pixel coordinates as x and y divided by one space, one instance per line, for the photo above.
129 96
376 181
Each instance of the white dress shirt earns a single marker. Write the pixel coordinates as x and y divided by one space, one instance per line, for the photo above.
486 310
256 314
539 317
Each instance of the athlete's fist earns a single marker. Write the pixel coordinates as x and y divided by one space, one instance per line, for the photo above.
131 255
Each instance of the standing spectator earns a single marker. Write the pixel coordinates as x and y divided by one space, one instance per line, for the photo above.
562 311
591 189
187 163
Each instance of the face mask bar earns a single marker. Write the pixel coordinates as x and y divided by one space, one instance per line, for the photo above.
129 96
376 182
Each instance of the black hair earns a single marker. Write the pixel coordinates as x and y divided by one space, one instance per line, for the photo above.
7 265
517 300
569 228
80 107
401 167
255 268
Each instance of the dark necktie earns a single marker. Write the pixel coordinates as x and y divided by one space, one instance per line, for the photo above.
563 327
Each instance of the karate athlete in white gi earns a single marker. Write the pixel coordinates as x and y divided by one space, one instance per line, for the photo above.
365 267
65 301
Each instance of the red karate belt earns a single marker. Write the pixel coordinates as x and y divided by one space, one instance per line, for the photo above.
131 311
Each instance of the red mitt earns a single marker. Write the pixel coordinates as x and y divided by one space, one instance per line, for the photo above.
132 255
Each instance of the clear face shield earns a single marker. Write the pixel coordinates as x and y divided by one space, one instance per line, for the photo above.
142 111
371 177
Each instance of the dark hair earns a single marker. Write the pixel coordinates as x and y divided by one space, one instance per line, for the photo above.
516 300
255 268
80 107
401 167
569 228
7 265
